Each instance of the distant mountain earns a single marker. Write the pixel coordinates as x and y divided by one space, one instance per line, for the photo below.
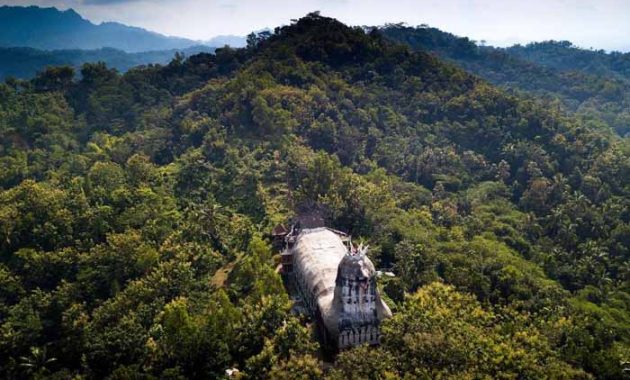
52 29
24 63
231 40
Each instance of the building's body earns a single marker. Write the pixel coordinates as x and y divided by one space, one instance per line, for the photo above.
337 285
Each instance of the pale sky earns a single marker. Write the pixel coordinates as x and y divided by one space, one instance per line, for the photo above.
601 24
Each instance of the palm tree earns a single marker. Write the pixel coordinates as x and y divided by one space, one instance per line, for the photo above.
37 361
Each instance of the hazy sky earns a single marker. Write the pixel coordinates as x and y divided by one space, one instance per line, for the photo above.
601 24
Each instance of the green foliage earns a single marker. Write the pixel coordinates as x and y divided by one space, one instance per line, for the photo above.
25 63
593 84
441 333
134 212
364 362
291 340
303 367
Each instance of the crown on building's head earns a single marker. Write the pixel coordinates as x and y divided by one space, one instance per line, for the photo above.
359 251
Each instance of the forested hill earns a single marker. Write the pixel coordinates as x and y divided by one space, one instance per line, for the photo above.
135 208
563 55
52 29
595 84
25 63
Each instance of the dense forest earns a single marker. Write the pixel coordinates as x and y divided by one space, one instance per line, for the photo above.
593 84
135 210
563 55
25 63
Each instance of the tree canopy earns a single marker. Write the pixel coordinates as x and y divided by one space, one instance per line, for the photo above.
135 210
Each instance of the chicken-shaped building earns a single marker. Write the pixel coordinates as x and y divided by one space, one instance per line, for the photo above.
337 282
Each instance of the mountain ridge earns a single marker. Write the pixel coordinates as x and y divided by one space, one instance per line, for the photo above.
585 81
53 29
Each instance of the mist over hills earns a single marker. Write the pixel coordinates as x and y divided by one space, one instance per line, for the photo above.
52 29
33 38
228 39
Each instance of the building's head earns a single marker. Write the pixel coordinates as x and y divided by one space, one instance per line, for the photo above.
357 301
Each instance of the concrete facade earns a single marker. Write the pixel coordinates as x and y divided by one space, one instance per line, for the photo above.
338 286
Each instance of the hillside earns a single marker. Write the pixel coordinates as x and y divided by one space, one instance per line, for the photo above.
25 63
594 84
135 211
51 29
562 55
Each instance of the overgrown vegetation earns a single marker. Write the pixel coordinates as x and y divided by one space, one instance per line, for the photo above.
25 63
594 85
507 223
